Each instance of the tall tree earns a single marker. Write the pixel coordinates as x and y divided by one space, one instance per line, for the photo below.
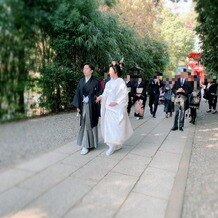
207 30
17 40
179 39
20 39
142 15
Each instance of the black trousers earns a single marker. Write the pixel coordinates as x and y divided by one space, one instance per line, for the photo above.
212 101
179 116
153 100
193 113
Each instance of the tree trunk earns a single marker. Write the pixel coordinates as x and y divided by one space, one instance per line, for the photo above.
22 78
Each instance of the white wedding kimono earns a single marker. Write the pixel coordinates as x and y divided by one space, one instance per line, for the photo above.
115 124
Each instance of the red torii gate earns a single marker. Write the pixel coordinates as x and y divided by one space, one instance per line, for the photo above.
195 65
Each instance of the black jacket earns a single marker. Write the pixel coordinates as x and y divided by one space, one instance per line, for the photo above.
154 88
186 86
92 90
213 88
130 84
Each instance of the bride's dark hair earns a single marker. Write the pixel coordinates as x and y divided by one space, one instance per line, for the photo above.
116 67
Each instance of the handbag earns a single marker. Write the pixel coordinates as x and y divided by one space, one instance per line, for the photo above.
172 97
180 100
139 108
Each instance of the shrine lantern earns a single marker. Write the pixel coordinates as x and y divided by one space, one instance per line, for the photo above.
195 65
192 64
196 55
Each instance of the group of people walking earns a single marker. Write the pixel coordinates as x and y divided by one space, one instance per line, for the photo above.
113 104
210 94
138 90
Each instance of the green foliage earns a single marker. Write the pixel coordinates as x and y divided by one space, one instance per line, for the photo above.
179 39
17 40
57 84
207 30
79 34
55 38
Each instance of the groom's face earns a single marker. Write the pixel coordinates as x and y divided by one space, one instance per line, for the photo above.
87 70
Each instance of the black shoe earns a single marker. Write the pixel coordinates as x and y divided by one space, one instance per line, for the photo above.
181 129
191 121
174 128
151 111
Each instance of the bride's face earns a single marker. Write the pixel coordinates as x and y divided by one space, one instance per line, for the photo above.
112 72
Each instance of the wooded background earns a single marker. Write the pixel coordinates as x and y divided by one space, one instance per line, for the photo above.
45 42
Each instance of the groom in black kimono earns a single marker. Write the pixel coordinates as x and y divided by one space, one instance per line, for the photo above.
84 100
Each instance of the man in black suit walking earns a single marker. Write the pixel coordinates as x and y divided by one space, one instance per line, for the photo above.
154 93
182 89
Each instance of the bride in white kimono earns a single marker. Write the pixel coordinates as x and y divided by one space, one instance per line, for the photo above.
115 124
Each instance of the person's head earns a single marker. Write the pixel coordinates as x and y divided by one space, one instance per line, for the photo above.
114 70
159 75
190 78
209 80
121 65
184 74
140 79
213 80
88 69
171 83
128 77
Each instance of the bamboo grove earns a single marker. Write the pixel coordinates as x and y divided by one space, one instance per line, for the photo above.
45 42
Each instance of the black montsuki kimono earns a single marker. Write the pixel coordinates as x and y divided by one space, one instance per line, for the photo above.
130 87
89 112
92 90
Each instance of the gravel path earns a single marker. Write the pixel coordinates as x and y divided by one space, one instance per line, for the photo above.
201 196
19 141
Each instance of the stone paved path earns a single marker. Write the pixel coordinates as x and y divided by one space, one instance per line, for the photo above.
140 180
201 196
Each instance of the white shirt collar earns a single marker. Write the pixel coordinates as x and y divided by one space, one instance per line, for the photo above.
87 79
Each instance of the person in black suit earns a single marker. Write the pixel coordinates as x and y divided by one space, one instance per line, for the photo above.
182 89
154 93
212 97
